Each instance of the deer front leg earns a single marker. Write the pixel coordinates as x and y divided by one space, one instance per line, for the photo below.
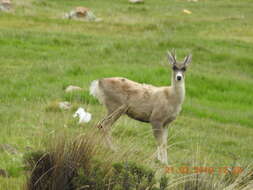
108 137
161 134
106 124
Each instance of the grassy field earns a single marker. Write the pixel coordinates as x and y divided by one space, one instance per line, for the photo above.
41 54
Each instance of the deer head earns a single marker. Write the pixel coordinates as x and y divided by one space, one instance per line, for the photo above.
179 68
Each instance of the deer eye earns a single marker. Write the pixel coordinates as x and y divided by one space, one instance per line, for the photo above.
183 69
174 68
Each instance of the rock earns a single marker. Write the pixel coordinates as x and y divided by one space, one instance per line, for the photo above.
5 5
6 2
64 105
91 17
136 1
8 148
3 173
187 11
82 13
72 88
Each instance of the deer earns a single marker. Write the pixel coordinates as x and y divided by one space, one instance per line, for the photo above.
156 105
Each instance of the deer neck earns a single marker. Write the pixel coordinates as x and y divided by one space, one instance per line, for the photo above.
178 88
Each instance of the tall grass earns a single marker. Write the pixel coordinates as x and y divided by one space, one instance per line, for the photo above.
85 163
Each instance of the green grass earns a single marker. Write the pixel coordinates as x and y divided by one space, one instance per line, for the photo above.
41 53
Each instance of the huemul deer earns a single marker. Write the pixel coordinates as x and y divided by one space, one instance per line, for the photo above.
158 106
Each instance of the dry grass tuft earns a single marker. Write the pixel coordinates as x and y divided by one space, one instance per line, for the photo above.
56 168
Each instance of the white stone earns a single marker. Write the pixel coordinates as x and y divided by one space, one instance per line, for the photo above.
72 88
136 1
84 117
64 105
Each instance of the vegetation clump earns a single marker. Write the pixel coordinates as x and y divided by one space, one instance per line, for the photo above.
124 176
78 164
73 165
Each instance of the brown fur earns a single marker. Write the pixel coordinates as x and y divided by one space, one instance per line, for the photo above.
146 102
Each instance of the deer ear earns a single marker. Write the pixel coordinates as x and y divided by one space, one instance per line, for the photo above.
172 58
188 60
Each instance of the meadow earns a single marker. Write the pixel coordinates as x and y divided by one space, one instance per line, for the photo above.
41 53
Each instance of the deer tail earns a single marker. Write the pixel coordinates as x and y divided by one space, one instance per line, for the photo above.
96 91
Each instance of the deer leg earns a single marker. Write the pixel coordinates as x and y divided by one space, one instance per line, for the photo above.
108 137
160 134
108 121
164 145
105 128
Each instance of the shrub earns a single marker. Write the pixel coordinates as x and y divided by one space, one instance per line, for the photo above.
83 163
73 165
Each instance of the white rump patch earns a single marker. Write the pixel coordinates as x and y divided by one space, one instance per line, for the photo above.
96 91
94 88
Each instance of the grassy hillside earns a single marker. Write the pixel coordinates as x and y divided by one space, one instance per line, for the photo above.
41 54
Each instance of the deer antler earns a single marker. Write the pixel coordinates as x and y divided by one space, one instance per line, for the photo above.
187 59
173 53
172 56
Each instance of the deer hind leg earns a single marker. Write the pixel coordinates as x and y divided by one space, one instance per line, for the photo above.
108 121
161 133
